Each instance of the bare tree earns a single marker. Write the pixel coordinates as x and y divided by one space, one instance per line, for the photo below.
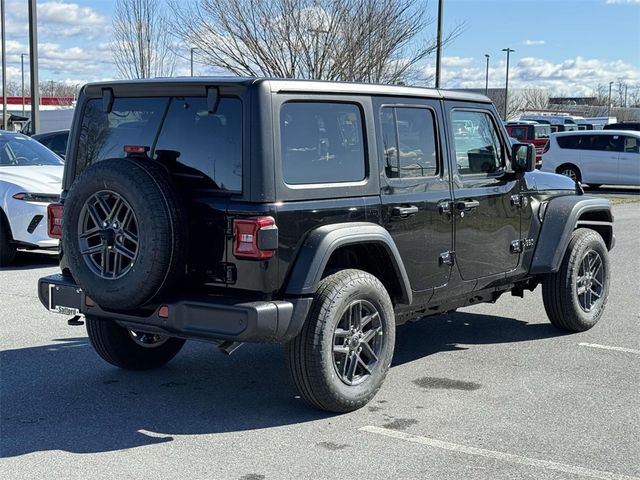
142 40
380 41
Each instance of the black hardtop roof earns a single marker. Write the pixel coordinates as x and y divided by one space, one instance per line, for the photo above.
279 85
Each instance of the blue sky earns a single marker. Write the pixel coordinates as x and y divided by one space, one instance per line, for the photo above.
566 46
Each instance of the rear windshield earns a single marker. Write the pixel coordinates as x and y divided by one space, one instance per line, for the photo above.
178 131
542 131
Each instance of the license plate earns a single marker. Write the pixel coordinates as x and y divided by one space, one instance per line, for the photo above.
64 299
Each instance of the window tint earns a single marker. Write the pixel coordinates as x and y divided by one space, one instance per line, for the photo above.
604 143
59 143
570 141
132 121
408 136
321 143
479 151
204 148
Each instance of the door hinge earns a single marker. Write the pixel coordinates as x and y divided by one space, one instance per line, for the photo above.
516 246
519 201
447 258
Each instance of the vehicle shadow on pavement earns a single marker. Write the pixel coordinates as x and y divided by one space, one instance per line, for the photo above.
457 330
62 396
32 260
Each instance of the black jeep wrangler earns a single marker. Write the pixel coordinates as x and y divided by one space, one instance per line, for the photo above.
320 215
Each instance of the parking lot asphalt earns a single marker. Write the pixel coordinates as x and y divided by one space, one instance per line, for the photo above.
489 392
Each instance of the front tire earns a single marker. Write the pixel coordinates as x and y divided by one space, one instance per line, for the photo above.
7 248
341 357
575 296
128 349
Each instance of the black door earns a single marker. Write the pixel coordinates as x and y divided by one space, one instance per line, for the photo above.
415 189
485 203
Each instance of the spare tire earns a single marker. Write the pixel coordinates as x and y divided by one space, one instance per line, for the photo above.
124 232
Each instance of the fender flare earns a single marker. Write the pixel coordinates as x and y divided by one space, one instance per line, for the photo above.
323 241
561 218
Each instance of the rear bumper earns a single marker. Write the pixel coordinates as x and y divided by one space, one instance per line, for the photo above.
203 318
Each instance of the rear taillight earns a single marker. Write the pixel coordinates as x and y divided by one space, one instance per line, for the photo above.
255 238
54 220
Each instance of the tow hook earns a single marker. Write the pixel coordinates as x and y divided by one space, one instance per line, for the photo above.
75 321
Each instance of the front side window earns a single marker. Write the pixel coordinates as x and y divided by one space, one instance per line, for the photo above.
481 151
409 142
321 143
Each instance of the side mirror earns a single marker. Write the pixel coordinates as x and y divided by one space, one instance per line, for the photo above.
523 157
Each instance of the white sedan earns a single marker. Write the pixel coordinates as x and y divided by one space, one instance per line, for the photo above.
30 179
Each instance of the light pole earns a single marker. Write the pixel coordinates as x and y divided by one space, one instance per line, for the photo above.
439 44
609 109
22 55
33 61
506 83
4 69
192 49
486 79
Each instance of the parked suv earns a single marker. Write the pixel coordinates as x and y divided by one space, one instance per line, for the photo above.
537 134
595 157
316 214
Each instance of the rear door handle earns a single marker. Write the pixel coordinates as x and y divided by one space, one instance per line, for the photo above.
467 205
404 212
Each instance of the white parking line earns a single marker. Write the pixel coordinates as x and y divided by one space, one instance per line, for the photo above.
507 457
608 347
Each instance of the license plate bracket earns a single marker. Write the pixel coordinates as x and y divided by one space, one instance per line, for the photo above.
64 299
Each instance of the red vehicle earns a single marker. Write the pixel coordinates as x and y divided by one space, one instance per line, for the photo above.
534 133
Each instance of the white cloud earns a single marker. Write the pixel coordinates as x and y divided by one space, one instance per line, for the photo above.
629 2
574 76
457 61
57 19
534 42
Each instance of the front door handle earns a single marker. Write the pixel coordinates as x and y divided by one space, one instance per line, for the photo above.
467 205
404 212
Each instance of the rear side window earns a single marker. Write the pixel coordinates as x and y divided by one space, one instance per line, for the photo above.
409 142
321 143
179 132
569 141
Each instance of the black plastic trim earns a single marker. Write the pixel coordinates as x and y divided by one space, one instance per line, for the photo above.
323 241
203 318
561 218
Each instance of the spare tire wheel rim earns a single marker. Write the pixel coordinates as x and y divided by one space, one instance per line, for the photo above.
147 340
108 235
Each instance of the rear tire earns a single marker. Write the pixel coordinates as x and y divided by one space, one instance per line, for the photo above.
341 357
570 171
7 247
575 296
130 350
